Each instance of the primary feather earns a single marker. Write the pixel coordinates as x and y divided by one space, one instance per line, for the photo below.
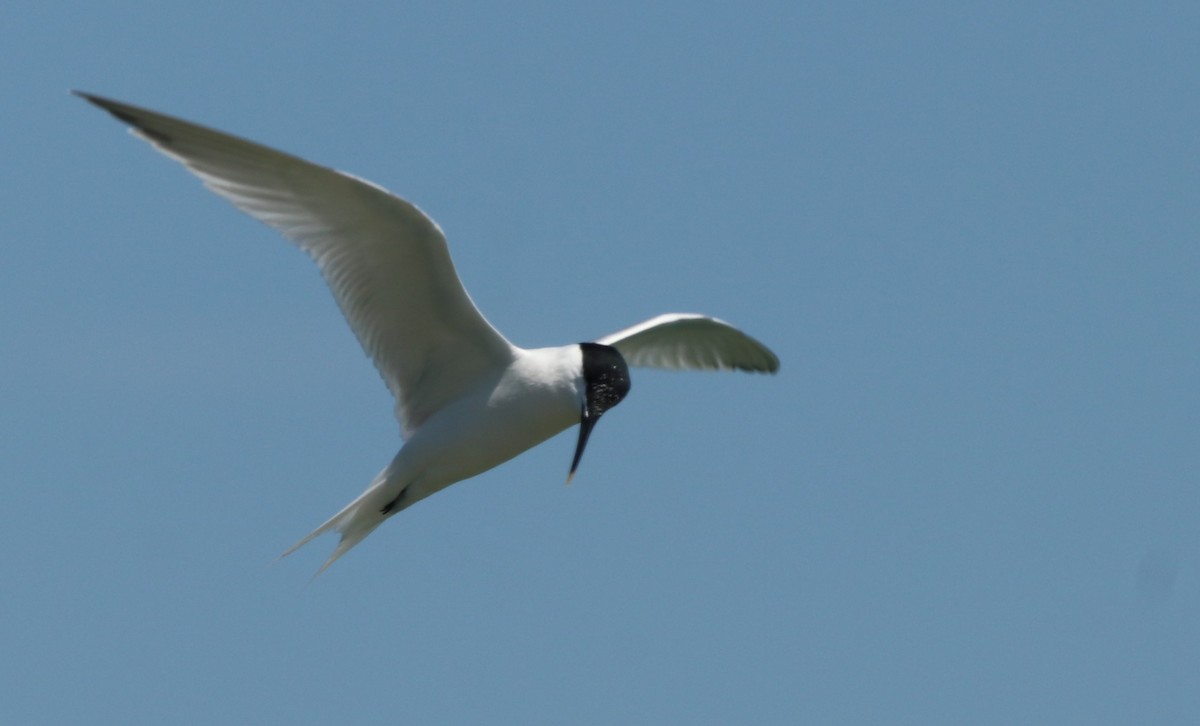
679 341
385 261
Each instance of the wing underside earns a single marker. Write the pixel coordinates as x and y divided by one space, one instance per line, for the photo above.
385 261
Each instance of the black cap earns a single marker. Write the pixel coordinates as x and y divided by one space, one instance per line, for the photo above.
606 381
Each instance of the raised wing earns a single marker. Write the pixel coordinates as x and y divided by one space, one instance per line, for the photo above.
385 261
688 341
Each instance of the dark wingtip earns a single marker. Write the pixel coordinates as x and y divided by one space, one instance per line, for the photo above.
92 98
770 367
125 113
769 364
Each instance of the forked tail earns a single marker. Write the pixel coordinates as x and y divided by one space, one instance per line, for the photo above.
357 520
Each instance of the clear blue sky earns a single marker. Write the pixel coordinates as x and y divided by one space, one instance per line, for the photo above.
970 231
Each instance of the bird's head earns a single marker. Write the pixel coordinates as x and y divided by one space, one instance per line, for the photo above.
605 383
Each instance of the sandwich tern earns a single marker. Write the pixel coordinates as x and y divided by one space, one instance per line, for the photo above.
466 398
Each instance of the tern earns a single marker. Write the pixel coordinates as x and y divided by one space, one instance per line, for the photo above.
467 399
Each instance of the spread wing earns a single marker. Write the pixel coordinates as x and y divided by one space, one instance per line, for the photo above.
385 261
681 341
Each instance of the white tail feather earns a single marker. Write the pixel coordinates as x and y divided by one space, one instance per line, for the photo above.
357 520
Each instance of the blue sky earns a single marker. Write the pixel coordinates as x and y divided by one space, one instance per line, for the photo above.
969 230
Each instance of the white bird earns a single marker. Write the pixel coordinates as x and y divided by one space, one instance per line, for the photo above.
467 399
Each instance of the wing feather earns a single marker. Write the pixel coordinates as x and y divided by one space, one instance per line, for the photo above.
385 261
680 341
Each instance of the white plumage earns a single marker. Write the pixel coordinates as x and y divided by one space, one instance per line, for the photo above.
466 398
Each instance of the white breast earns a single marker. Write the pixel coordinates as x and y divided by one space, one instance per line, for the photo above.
536 397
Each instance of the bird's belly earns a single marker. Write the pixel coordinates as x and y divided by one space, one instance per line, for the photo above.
479 433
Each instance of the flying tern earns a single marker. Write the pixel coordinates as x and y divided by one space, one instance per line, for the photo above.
466 398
